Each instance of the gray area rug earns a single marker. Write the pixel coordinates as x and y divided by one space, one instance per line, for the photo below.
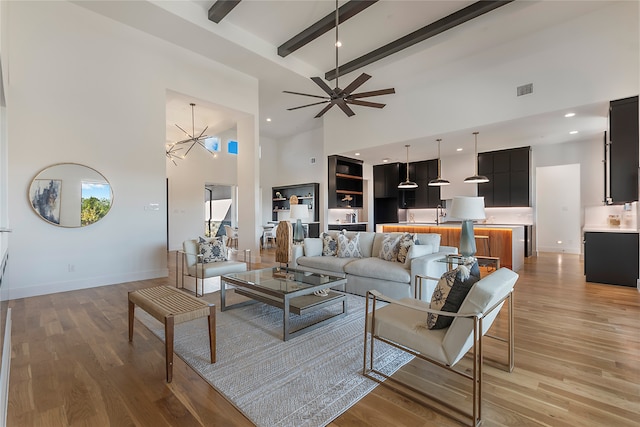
307 381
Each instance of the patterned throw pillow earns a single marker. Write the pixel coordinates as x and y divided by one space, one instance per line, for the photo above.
329 245
213 250
450 292
389 249
348 248
404 244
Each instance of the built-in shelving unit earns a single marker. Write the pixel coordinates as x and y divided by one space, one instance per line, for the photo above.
307 194
345 182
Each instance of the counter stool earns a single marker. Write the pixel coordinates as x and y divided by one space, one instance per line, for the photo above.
171 306
486 244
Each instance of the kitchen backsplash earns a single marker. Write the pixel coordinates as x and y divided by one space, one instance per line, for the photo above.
517 216
610 215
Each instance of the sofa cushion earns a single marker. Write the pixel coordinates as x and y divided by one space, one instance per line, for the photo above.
450 292
432 239
417 251
379 269
329 245
349 247
389 249
312 246
326 263
212 250
379 239
404 244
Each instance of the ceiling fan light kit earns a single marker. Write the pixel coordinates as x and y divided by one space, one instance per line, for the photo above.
476 179
438 182
407 184
342 97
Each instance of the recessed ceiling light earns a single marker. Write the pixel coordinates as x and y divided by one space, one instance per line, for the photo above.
338 43
573 132
570 114
357 154
385 160
458 149
268 119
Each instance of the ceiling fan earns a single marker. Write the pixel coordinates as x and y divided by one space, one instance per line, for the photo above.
342 97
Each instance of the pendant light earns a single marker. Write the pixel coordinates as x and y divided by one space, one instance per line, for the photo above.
407 184
476 179
438 182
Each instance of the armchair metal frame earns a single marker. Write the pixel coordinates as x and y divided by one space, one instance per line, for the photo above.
476 350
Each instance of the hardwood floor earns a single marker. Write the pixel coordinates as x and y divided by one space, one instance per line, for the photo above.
577 362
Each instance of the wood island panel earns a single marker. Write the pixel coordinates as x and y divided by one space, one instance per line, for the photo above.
500 239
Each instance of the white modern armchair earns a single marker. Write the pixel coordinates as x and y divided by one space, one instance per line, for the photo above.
402 324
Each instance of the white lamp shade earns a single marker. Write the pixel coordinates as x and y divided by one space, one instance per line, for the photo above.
299 212
464 207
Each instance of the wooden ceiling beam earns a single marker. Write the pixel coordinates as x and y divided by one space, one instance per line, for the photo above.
327 23
450 21
220 9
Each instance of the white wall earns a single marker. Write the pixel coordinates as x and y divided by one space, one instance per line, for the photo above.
558 209
85 89
186 182
589 154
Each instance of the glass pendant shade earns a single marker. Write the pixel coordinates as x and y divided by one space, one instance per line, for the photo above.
476 179
438 182
407 184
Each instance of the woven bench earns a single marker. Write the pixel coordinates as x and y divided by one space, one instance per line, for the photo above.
171 306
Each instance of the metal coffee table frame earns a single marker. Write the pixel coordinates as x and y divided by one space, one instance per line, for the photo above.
291 295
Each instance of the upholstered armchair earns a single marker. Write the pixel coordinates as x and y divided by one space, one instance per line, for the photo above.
203 263
403 324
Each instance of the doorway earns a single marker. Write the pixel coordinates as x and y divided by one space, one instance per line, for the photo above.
558 209
219 209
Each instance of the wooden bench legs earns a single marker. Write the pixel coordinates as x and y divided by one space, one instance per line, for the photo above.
169 321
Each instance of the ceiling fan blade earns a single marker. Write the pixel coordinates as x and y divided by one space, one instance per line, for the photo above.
305 94
356 83
373 93
308 105
344 107
323 85
365 103
324 110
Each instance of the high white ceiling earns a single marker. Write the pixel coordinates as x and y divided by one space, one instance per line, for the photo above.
248 37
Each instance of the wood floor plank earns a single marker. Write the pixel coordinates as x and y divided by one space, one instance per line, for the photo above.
577 353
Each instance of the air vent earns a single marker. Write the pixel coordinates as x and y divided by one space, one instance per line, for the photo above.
525 89
312 160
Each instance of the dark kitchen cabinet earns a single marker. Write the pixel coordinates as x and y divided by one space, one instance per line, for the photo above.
623 137
345 182
425 196
509 177
385 180
611 258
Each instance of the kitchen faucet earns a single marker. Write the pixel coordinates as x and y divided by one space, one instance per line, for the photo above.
439 213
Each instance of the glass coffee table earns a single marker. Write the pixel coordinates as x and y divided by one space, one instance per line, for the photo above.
288 289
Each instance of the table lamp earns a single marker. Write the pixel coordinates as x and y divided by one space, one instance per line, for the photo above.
298 212
467 209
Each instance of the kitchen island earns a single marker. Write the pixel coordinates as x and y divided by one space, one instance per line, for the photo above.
504 241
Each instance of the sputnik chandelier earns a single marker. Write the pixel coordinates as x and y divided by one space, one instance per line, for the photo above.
176 150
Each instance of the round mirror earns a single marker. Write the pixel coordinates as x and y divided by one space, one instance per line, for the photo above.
70 195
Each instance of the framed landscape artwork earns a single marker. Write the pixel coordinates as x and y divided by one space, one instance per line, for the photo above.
45 198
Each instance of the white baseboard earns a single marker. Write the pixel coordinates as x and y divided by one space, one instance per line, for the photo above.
5 366
91 282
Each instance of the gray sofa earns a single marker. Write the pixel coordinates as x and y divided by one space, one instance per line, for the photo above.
392 278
